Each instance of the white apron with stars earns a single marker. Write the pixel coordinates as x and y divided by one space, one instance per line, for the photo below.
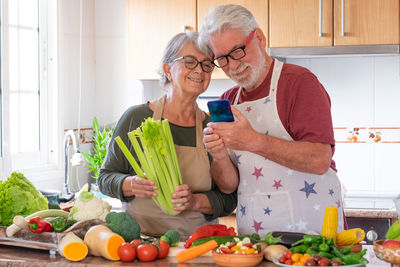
272 197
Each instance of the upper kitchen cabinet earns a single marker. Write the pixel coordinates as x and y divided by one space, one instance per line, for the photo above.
297 23
259 9
151 24
366 22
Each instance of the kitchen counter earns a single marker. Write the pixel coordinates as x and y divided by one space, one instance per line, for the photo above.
16 256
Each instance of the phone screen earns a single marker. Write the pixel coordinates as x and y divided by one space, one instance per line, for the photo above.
220 111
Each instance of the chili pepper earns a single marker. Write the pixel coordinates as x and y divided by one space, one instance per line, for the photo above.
353 259
270 240
59 224
325 254
330 242
309 239
209 230
336 253
299 249
346 250
324 247
311 251
38 225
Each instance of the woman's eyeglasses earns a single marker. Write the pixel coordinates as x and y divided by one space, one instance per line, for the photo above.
235 54
192 62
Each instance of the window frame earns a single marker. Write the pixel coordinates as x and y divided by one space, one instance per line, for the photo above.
46 158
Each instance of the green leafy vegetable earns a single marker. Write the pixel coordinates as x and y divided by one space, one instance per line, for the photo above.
158 160
18 196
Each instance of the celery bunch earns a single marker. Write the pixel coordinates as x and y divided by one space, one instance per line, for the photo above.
158 160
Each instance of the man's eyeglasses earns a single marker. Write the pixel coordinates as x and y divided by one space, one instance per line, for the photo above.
191 63
235 54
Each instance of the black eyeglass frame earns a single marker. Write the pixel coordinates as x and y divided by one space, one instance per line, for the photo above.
195 66
229 55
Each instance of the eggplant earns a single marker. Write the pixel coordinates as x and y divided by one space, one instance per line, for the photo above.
288 238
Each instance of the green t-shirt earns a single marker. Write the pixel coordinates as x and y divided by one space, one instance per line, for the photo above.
116 167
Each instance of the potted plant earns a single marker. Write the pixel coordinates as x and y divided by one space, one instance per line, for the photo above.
95 158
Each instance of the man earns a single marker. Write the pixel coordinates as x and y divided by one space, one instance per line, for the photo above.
281 142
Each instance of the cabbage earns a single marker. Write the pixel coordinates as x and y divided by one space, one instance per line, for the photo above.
18 196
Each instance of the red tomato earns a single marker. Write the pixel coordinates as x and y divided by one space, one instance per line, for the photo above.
146 252
135 242
163 249
126 252
288 254
226 250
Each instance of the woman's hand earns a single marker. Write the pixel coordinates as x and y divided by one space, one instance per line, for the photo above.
138 187
214 143
189 201
183 196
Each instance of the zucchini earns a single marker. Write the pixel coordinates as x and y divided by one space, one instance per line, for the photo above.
13 228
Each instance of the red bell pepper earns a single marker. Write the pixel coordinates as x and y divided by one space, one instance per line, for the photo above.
38 225
209 230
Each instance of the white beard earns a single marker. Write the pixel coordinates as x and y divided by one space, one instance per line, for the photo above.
256 72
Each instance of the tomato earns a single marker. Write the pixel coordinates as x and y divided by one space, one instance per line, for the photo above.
127 252
226 250
135 242
146 252
163 249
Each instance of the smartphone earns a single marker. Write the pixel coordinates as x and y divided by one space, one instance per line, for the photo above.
220 110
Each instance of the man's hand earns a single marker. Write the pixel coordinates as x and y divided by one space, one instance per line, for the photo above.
237 135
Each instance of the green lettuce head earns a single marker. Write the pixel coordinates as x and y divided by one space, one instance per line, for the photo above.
18 196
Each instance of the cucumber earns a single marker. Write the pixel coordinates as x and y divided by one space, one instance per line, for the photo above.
13 228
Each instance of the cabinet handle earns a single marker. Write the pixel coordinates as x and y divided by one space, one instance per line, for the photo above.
342 17
320 19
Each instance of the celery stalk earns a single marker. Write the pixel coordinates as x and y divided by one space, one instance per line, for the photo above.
129 156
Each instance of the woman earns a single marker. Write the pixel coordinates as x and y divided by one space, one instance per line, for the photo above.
185 74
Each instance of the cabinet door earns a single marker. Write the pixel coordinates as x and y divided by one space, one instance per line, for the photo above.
367 22
259 9
151 24
297 23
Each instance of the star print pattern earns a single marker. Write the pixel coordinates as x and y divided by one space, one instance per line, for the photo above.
257 226
317 207
267 100
331 192
267 211
338 204
257 172
277 184
248 109
237 158
243 210
308 189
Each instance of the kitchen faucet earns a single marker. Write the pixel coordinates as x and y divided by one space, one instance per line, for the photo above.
76 160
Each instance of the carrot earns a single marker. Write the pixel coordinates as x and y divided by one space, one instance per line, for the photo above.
194 252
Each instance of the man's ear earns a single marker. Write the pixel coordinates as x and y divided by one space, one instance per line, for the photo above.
167 70
261 38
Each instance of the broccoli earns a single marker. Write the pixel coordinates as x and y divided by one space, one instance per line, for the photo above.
171 237
124 224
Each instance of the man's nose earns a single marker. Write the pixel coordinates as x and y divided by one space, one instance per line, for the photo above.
233 64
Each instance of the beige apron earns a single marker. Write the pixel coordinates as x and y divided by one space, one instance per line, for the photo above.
195 171
272 197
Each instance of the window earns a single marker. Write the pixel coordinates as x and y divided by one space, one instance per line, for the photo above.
27 47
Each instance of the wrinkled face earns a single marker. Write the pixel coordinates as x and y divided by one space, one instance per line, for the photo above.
248 71
185 80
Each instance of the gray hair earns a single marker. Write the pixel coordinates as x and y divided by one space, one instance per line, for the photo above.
225 17
174 47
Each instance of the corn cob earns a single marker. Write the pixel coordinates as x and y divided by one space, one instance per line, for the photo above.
329 226
350 236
